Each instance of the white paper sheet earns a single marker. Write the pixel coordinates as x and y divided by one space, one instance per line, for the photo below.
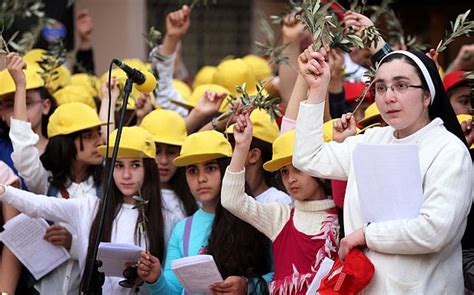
323 270
196 273
23 235
388 181
114 256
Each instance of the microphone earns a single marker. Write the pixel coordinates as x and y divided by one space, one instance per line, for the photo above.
145 81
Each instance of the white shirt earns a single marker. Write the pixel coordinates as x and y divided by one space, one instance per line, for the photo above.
273 195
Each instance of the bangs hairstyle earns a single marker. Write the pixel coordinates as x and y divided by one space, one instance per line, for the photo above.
237 247
440 106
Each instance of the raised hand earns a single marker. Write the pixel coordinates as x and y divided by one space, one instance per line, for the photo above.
466 127
15 66
177 22
292 29
344 127
58 236
149 267
314 68
243 129
210 102
85 27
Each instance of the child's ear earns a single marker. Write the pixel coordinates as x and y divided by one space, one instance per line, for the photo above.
254 156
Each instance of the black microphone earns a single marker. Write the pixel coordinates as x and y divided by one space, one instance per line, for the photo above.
145 81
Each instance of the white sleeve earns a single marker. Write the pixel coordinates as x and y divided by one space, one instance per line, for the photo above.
269 218
26 157
311 155
443 214
164 92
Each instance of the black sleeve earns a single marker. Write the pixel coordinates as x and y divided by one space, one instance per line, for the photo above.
84 62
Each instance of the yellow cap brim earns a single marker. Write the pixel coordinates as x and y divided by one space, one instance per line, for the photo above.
124 152
277 164
181 161
78 128
169 141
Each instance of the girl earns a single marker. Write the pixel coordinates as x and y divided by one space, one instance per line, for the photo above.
420 255
301 236
169 131
239 250
135 173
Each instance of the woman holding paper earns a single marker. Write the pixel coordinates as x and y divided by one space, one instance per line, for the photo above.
240 251
419 255
135 174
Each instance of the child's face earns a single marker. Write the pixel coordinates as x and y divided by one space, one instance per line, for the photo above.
165 155
128 175
204 181
90 141
299 185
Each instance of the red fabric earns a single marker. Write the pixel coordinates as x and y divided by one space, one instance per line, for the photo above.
296 256
453 79
355 275
338 192
352 91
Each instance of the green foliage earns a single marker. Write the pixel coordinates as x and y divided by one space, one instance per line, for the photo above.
269 47
461 26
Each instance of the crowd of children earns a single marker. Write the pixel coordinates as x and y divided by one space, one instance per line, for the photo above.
270 200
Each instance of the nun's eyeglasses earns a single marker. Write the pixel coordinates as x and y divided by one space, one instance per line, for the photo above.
399 87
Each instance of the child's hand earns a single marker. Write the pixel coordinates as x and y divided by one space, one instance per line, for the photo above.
143 106
243 130
231 285
466 127
344 127
315 69
177 22
357 21
15 66
292 29
114 90
351 241
149 267
58 236
210 103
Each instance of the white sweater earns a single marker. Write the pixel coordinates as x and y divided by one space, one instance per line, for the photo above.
412 256
80 213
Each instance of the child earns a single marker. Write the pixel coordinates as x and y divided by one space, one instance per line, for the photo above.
169 131
301 236
239 250
135 173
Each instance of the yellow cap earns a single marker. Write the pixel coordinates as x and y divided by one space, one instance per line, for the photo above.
263 127
235 72
204 76
57 77
283 148
74 93
370 113
135 142
90 83
462 118
33 80
72 117
183 89
199 92
260 67
203 146
165 126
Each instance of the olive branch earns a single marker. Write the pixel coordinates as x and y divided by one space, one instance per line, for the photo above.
140 205
461 26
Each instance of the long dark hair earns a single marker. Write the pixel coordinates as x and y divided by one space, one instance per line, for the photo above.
441 106
58 157
265 148
184 194
45 94
155 225
237 247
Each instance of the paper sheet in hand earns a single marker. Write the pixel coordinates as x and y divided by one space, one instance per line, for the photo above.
323 270
114 256
23 235
388 180
196 273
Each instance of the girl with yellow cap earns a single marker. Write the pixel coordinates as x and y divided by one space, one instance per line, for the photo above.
301 236
135 174
239 250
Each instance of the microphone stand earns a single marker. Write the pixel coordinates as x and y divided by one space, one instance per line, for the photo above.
93 278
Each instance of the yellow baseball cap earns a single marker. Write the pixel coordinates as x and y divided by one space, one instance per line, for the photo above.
57 77
204 76
183 89
199 92
235 72
74 93
263 127
259 66
462 118
284 144
72 117
165 126
33 81
203 146
90 83
371 113
135 142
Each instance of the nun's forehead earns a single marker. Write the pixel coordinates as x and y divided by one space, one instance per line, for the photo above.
396 68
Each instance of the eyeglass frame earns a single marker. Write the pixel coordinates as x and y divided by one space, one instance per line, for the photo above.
391 86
